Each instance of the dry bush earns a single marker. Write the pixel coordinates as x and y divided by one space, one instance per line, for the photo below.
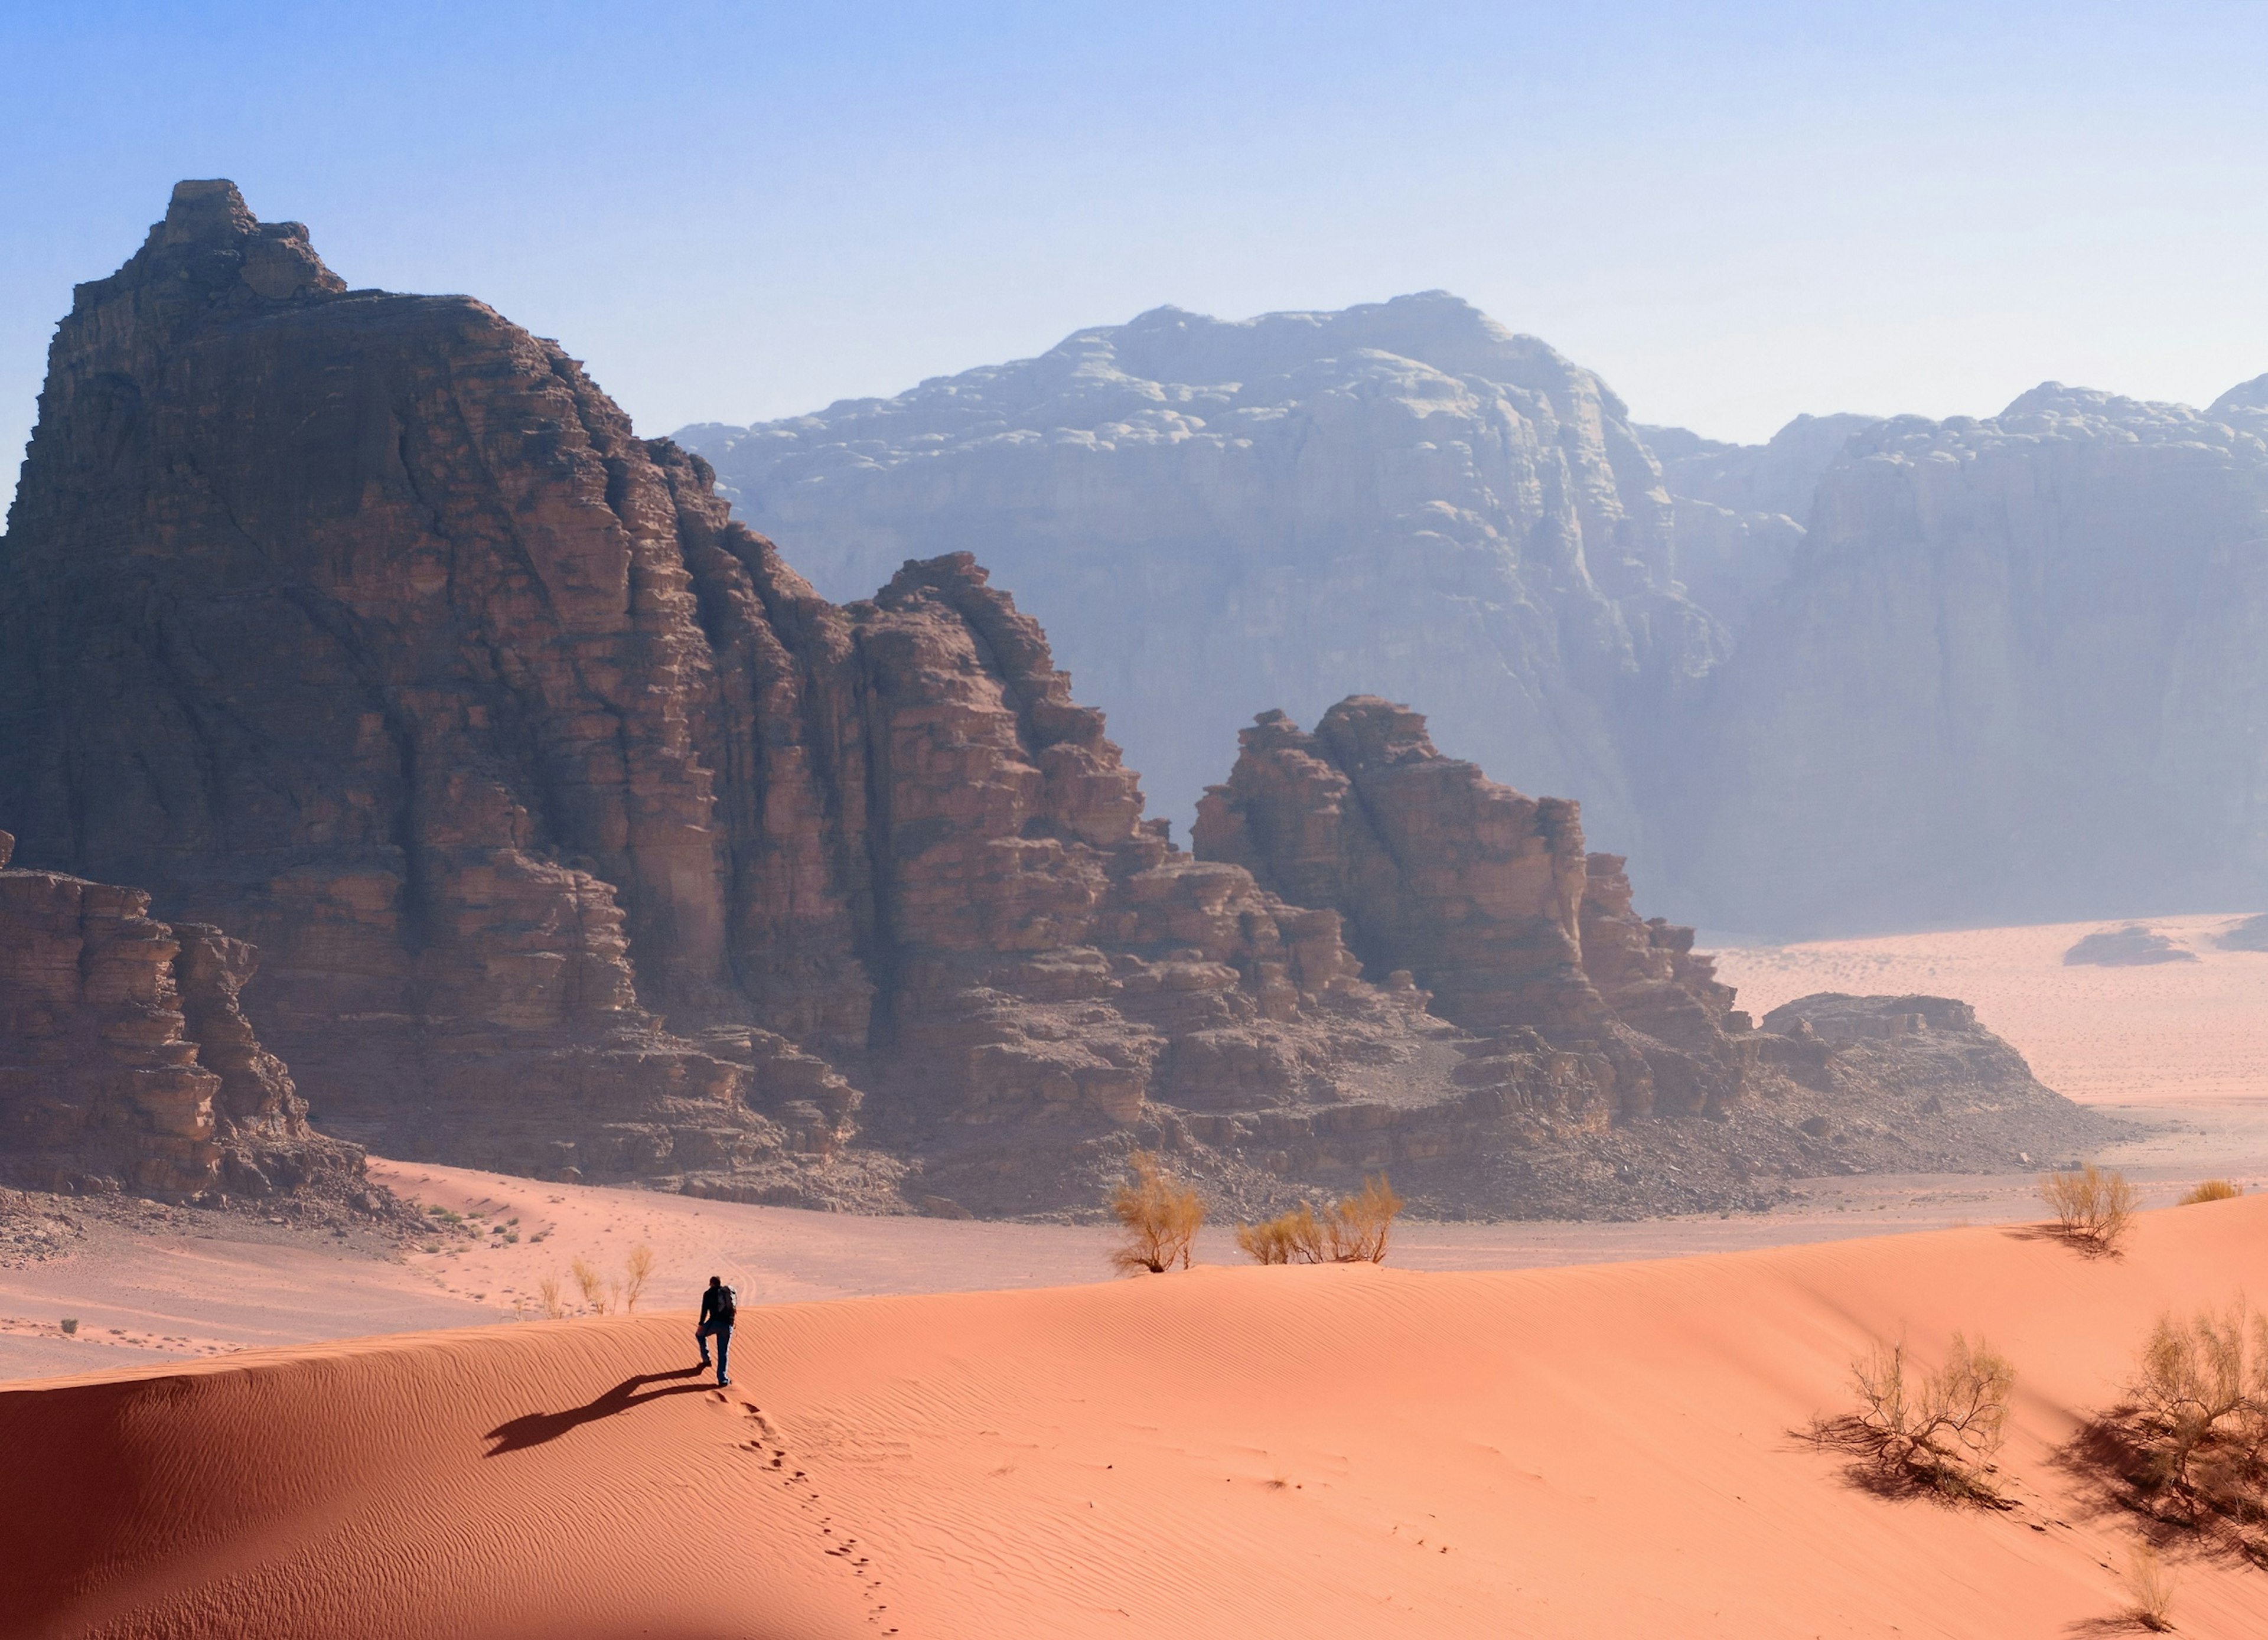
1160 1215
2212 1190
2091 1205
2200 1416
549 1287
594 1286
1938 1428
638 1270
1353 1230
1358 1226
2151 1586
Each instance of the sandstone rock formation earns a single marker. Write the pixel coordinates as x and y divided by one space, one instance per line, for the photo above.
2015 673
1209 518
2133 946
1869 675
582 837
2249 934
125 1063
1487 898
1619 1075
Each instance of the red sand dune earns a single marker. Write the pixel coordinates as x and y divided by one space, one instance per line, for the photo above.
1603 1449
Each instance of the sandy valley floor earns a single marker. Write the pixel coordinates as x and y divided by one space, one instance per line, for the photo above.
956 1428
1610 1449
2182 1048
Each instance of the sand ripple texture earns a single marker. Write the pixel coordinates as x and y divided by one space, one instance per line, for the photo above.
1234 1452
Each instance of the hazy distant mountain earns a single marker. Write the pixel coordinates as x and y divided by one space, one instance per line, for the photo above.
2018 668
2014 668
1215 518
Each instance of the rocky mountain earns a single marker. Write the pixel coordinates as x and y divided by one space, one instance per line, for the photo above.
1403 498
2014 673
584 838
1869 675
125 1063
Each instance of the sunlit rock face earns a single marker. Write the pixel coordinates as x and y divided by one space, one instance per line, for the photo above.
125 1061
1215 518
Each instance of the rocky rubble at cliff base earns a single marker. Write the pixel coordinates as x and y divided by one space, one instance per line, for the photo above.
578 837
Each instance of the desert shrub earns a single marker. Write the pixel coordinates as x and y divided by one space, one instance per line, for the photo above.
549 1290
1353 1230
2199 1415
1358 1226
638 1270
1938 1429
1293 1237
1160 1215
70 1325
2092 1206
2212 1190
2151 1587
593 1284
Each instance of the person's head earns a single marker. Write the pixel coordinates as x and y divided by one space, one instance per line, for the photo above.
714 1280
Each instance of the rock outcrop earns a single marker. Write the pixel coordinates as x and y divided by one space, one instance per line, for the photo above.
125 1061
1487 898
1208 518
1616 1073
2248 934
2133 946
582 837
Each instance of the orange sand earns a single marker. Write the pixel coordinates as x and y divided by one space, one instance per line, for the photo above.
2179 1032
1234 1452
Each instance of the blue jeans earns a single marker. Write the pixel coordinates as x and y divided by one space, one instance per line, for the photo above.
708 1330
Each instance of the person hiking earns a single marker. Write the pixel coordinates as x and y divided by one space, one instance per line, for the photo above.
717 1308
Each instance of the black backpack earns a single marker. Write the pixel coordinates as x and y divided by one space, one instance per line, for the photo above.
721 1316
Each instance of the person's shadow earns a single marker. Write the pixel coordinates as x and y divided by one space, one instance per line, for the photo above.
535 1428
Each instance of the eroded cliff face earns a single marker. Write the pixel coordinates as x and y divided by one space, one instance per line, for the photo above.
1210 516
1486 897
125 1063
580 834
2014 674
582 837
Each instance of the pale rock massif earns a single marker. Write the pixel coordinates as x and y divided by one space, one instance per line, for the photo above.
1211 518
125 1063
1873 673
583 838
2015 673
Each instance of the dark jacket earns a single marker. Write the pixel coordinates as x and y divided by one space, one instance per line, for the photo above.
717 1306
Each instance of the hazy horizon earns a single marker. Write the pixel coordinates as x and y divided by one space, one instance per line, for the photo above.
736 217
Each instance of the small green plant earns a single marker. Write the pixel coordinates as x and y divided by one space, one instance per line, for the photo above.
1160 1215
2212 1190
71 1325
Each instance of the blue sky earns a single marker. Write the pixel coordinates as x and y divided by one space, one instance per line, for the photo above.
1733 213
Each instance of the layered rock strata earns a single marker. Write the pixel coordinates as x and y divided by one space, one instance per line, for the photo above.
1210 516
584 838
1486 897
2014 673
125 1061
582 835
